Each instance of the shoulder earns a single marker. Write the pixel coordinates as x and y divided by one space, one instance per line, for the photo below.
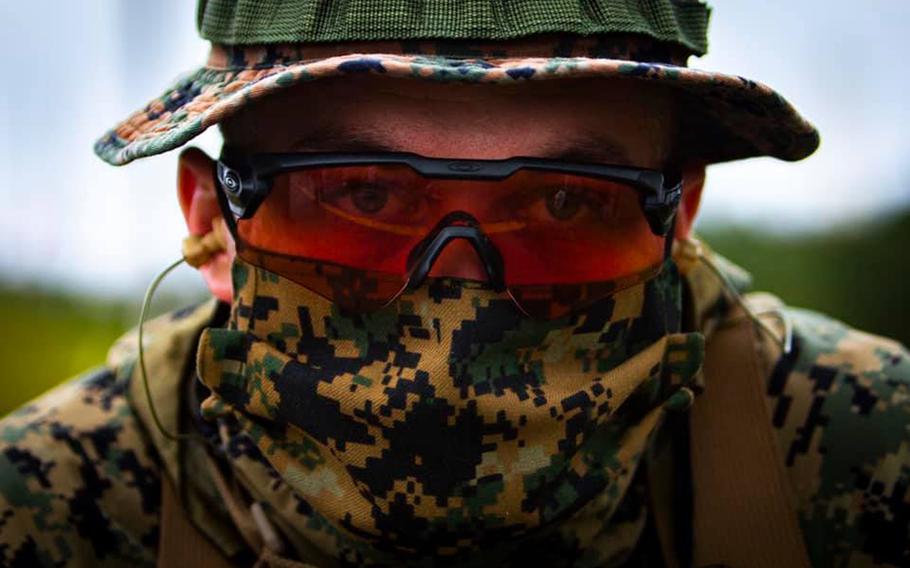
78 481
840 404
81 466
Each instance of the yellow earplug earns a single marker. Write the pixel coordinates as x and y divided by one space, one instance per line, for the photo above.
198 250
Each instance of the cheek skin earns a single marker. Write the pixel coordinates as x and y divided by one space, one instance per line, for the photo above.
217 272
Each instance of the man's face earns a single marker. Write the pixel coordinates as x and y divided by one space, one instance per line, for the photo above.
609 121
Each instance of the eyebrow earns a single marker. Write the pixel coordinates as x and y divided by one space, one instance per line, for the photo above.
583 147
588 147
332 139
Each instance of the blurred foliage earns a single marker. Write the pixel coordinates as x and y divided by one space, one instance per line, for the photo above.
48 336
857 274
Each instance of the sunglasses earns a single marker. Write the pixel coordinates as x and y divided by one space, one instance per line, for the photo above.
360 229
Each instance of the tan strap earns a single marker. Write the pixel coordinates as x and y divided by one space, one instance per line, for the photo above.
744 516
662 467
180 542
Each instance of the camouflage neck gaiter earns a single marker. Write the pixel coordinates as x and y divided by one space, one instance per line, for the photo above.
446 422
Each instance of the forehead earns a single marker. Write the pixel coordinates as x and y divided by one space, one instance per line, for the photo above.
601 120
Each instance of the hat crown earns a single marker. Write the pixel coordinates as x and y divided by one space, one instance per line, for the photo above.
245 22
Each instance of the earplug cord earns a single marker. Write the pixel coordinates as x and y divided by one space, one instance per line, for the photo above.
197 251
146 303
785 342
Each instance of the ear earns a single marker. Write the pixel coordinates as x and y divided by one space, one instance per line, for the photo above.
693 182
199 203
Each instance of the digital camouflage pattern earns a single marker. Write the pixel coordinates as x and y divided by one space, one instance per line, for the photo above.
447 423
725 117
841 408
80 468
79 472
78 480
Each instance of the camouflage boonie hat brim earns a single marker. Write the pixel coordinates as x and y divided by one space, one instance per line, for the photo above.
724 117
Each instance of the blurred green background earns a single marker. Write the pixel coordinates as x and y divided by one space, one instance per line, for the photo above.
51 335
858 274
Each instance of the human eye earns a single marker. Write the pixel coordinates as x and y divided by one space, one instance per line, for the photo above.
371 198
565 204
360 197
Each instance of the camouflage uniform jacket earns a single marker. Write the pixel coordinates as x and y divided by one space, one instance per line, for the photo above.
81 467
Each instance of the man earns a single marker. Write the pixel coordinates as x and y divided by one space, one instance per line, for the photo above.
461 318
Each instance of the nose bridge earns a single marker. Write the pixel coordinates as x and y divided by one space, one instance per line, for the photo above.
458 259
475 202
471 197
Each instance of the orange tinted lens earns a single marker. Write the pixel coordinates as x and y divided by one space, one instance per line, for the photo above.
358 217
573 229
353 289
548 301
550 228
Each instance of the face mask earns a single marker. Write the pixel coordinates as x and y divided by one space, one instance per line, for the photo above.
447 421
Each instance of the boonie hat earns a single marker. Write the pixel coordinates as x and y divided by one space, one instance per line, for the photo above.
261 47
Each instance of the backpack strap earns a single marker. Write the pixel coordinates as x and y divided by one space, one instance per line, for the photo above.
744 514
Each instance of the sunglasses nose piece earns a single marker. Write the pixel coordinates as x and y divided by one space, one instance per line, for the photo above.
457 226
459 260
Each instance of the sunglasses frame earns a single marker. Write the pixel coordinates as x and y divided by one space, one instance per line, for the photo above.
246 179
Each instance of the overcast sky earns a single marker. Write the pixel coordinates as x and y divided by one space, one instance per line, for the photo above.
73 69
